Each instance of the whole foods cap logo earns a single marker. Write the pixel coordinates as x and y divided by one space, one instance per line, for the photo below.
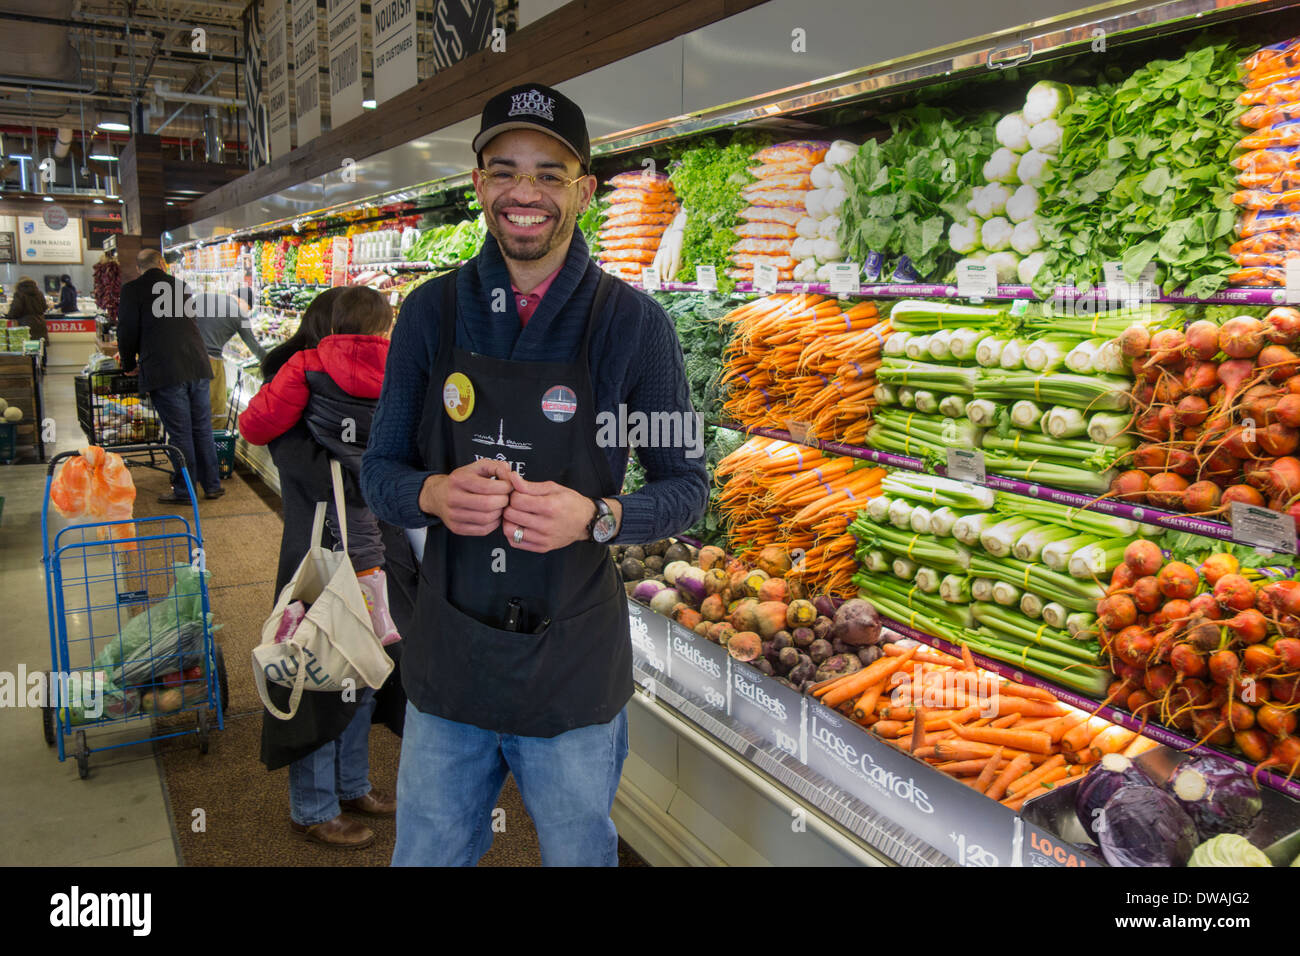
532 102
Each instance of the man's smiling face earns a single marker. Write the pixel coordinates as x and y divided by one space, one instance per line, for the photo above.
529 220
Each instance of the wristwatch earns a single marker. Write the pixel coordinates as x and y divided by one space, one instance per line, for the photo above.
603 524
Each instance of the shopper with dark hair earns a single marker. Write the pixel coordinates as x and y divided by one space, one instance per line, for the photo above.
486 434
67 295
158 339
332 389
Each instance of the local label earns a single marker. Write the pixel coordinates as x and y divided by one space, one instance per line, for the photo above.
706 277
1263 527
966 465
976 280
765 277
650 278
844 277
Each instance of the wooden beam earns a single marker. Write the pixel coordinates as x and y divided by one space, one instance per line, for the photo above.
199 177
142 188
581 36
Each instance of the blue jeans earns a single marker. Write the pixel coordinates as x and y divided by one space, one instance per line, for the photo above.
338 770
451 775
186 413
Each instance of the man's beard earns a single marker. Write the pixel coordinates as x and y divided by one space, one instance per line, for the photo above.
528 250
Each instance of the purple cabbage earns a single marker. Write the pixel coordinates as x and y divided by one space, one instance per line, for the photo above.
1113 773
1144 826
1216 795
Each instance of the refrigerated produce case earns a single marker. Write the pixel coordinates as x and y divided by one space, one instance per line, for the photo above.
726 758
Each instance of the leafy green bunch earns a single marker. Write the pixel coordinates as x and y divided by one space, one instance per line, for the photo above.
1143 176
905 191
708 179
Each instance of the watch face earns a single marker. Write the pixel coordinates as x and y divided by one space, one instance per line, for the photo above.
603 530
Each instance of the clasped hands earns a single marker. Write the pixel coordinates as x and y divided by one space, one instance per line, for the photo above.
476 499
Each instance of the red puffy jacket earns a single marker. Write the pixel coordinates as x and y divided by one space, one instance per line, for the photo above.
353 364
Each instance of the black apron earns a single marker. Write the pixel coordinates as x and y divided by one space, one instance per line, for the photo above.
569 664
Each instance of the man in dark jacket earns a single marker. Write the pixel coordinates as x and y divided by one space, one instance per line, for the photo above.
494 432
157 336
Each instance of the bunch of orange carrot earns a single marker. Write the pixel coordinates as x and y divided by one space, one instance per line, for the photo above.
804 359
777 492
1009 741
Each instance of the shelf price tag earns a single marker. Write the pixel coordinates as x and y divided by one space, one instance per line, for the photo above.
1019 307
1263 527
801 432
844 278
392 298
976 280
1119 288
650 279
765 277
706 277
966 465
1293 280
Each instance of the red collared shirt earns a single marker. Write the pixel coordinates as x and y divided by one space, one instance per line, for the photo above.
527 304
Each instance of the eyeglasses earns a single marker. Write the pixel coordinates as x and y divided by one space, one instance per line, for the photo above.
503 180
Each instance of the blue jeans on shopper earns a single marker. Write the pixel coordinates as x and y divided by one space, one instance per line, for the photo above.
339 770
451 775
186 413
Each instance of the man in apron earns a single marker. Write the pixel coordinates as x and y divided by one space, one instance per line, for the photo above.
487 435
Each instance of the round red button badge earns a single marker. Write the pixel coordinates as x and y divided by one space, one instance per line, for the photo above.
560 403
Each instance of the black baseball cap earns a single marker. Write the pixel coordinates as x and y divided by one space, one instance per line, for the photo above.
533 106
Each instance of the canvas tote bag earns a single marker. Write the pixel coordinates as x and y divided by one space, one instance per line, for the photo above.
335 642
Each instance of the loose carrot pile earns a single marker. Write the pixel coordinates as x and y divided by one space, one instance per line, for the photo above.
801 358
1009 741
780 493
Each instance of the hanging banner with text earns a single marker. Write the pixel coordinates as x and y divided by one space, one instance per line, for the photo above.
277 78
306 70
460 27
38 243
344 18
393 28
255 111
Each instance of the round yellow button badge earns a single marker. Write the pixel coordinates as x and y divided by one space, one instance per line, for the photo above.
458 396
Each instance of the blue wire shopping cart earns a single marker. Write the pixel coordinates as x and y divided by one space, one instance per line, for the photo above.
130 626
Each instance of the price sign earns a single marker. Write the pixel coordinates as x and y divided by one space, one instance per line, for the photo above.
1263 527
976 280
650 278
802 432
966 465
649 637
765 277
698 666
706 277
1293 279
766 707
844 278
1118 286
1019 307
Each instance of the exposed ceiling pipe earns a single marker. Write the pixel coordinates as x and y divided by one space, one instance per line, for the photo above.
164 93
205 85
62 142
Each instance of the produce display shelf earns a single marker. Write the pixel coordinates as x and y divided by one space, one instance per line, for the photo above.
1156 732
403 264
1100 294
897 805
1170 520
210 272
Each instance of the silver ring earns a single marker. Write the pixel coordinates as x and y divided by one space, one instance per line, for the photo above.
519 535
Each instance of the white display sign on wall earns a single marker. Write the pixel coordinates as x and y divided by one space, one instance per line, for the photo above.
392 24
277 79
38 243
306 70
344 18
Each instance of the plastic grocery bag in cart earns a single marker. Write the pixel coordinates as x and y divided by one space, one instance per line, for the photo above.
167 637
333 643
96 486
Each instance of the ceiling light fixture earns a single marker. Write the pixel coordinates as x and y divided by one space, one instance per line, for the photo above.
99 202
48 198
369 104
104 157
113 127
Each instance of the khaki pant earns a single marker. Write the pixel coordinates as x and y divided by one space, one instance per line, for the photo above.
217 393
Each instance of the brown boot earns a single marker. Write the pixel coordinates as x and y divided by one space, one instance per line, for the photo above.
376 803
342 832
